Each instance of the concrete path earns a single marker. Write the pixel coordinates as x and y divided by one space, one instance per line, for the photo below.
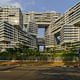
40 73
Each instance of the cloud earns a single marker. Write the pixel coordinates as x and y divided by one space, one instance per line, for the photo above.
29 5
23 4
3 2
30 2
10 3
16 4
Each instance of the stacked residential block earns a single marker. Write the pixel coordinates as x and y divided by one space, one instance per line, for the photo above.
59 30
12 15
40 20
11 29
68 26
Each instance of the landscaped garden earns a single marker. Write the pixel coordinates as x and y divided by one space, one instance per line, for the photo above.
70 51
34 54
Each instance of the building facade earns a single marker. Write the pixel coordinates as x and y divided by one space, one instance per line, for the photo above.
12 15
10 36
68 26
11 30
59 30
34 20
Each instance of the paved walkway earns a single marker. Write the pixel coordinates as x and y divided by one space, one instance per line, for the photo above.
39 73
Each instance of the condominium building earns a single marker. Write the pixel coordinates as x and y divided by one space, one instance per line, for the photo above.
12 15
11 33
70 33
34 20
68 26
59 30
48 37
40 17
10 36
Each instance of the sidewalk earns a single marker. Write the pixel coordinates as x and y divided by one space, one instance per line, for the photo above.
46 63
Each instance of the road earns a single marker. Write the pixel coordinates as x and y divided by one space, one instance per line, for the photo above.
39 73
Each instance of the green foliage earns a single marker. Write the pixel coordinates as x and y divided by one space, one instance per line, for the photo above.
25 53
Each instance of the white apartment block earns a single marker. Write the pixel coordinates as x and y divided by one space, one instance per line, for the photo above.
12 15
11 33
68 25
11 37
34 20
